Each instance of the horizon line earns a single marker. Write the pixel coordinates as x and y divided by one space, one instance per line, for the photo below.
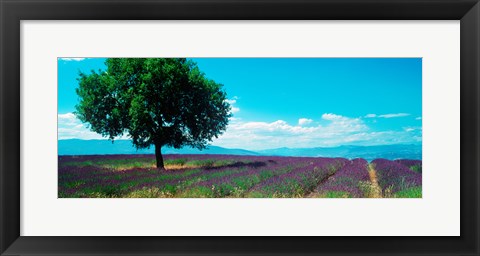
342 145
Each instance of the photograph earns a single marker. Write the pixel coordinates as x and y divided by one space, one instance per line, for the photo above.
239 127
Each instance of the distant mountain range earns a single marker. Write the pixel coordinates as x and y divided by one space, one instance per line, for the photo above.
398 151
105 147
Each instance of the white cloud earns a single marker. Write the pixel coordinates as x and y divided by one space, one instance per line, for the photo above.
233 101
412 129
331 117
394 115
304 121
69 127
263 135
338 130
387 115
72 59
68 119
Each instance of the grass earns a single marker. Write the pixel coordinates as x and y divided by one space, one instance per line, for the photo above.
125 164
416 168
415 192
117 164
332 194
198 177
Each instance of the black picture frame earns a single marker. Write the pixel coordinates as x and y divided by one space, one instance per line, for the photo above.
13 11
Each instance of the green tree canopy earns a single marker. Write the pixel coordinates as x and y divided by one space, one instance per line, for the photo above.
156 101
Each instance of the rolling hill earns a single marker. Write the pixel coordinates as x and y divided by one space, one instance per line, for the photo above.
105 147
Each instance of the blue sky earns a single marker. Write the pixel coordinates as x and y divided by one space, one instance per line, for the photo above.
294 102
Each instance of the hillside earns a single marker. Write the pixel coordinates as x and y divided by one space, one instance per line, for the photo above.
105 147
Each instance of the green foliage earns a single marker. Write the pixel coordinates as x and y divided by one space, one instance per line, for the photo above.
336 194
115 163
414 192
156 101
416 168
198 192
207 163
179 161
146 193
366 187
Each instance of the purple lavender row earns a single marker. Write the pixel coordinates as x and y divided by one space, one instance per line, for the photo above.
238 182
299 181
91 176
348 179
414 165
139 178
222 174
395 177
123 182
92 173
176 185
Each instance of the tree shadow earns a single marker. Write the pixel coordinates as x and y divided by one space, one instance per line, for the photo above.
238 164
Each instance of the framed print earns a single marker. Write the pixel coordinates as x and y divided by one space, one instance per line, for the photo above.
239 127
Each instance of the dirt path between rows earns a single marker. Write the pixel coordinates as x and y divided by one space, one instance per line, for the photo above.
314 193
376 191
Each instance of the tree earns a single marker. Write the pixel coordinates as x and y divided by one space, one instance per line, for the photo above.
155 101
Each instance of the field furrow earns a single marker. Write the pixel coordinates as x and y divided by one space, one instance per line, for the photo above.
397 180
352 180
221 176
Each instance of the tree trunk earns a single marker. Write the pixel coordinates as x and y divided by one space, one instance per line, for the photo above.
159 157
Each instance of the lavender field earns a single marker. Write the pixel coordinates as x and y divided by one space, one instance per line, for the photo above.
232 176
